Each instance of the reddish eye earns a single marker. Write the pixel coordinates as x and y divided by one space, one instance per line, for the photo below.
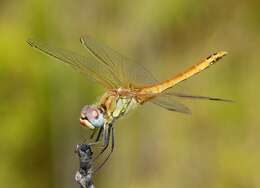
93 115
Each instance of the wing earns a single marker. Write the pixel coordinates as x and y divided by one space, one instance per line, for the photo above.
169 103
127 73
196 97
168 100
89 66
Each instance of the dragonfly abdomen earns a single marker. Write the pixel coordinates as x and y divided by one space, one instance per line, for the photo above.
166 84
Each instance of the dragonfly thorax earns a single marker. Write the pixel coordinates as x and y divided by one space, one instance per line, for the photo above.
116 105
123 105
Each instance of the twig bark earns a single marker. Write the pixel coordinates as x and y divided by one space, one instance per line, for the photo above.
85 173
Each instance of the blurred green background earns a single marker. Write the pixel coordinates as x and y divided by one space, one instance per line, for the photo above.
40 100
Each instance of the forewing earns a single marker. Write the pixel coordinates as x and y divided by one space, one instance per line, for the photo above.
89 66
124 71
196 97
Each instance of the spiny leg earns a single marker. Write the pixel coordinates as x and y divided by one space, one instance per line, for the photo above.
110 152
93 134
99 134
106 137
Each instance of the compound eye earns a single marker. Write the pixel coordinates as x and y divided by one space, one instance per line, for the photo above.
92 115
95 113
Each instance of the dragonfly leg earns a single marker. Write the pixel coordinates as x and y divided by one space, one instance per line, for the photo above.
90 140
106 138
110 152
93 134
106 135
99 134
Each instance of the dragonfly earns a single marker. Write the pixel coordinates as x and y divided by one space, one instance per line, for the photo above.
128 85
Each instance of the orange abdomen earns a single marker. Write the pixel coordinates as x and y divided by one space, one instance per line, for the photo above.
166 84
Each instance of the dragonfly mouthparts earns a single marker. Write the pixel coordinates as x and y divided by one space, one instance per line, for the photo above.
84 122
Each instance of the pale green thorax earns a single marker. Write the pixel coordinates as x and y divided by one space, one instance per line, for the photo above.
117 106
123 105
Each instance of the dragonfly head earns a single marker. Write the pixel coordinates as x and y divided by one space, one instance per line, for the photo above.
92 117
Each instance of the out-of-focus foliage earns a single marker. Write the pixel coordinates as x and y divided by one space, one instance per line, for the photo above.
40 100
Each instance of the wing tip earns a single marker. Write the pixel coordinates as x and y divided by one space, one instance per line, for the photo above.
82 40
30 42
186 112
221 99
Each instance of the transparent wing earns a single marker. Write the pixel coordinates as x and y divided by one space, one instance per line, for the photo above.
195 97
169 103
126 72
89 66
